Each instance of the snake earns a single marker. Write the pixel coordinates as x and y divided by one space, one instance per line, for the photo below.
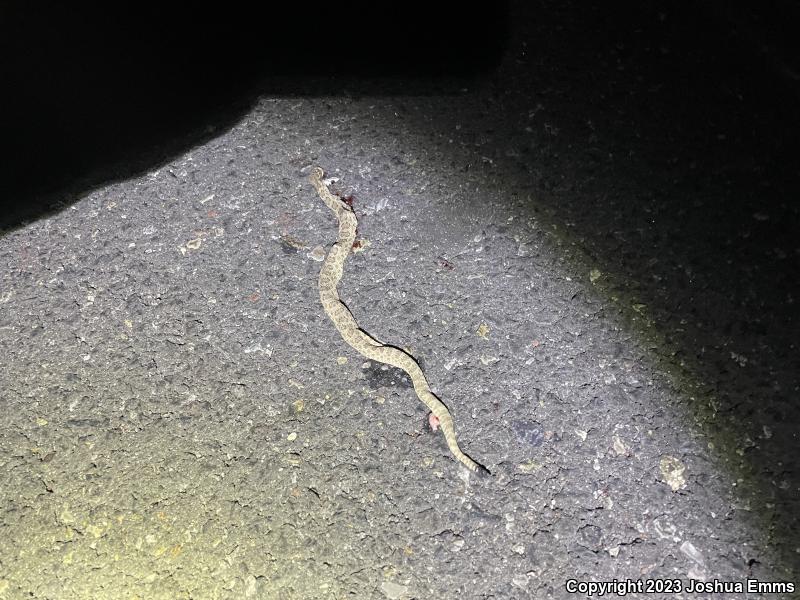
361 341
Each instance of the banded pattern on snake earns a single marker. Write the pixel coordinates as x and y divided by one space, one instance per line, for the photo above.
360 340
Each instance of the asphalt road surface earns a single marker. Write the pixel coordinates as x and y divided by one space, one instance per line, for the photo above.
592 249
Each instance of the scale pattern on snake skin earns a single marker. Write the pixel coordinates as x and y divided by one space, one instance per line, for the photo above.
360 340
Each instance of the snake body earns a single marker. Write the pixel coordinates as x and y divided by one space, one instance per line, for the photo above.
360 340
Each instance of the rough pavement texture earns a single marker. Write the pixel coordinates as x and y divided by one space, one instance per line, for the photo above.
594 267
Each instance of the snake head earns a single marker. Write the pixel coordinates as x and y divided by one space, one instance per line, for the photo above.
316 174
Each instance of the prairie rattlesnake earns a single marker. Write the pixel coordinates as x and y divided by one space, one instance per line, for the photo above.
360 340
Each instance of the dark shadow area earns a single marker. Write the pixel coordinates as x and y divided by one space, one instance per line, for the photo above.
93 94
664 141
